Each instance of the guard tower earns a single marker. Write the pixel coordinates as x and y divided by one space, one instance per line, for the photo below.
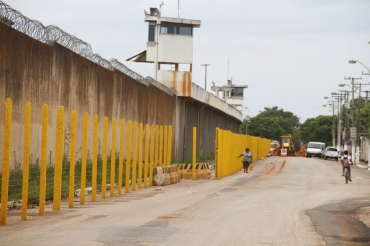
232 94
170 48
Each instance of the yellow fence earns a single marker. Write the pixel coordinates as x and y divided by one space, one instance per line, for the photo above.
134 150
143 151
230 145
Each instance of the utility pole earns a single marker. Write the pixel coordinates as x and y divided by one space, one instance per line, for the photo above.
343 114
339 122
205 80
333 129
338 98
346 95
354 143
358 129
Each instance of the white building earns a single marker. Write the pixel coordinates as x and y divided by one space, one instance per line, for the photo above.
232 94
170 48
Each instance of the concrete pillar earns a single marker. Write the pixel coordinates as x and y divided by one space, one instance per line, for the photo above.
357 154
353 153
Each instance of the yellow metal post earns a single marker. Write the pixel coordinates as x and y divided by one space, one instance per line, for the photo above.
6 161
58 159
121 147
72 159
169 142
43 162
113 158
104 157
140 174
134 158
151 162
156 147
84 158
194 157
26 159
128 156
94 173
227 159
165 147
217 155
146 152
161 146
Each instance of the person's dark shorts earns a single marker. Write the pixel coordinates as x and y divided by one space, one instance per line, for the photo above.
246 164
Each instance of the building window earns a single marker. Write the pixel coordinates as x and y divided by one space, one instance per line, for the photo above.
186 30
237 92
151 36
174 28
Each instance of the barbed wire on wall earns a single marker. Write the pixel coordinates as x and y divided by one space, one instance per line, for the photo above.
55 34
160 85
119 66
51 34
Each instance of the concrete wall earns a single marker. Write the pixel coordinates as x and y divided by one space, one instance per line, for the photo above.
179 80
206 112
208 98
54 75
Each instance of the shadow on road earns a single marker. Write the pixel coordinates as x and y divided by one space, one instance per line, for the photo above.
337 223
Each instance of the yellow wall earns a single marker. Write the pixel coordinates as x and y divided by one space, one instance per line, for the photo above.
230 145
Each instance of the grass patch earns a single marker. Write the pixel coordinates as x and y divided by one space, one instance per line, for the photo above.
16 179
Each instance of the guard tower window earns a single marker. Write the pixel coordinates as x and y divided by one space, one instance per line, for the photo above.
151 36
237 92
174 28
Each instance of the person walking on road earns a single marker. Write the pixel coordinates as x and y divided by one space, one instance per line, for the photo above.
303 150
247 160
346 161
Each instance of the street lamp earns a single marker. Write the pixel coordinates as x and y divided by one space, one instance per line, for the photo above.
354 62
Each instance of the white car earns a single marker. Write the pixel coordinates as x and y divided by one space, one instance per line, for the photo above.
331 153
315 149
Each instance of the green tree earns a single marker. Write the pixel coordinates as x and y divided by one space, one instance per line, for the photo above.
265 127
317 129
361 113
365 119
272 123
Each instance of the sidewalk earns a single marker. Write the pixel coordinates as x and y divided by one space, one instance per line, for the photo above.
364 166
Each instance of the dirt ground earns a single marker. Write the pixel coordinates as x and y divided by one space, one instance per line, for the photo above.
284 201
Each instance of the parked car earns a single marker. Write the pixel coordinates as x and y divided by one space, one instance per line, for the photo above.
331 153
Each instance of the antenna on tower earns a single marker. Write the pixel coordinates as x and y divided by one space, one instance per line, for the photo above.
227 79
178 8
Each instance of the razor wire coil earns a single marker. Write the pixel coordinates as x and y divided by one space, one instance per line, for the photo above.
51 34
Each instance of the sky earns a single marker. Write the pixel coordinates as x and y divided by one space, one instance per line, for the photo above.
290 53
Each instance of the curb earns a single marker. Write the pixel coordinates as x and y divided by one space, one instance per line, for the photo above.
362 166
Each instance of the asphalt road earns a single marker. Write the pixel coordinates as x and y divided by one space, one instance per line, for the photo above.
284 201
